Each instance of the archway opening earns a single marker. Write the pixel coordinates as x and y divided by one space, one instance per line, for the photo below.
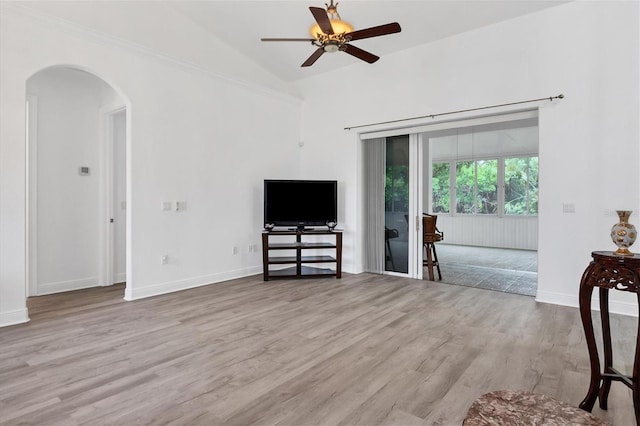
77 138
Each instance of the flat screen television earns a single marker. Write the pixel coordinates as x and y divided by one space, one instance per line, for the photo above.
300 203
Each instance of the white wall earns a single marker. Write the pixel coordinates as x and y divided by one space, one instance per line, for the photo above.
194 137
68 133
190 128
589 147
166 31
490 231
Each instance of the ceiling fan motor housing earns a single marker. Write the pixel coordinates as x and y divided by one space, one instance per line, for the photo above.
331 46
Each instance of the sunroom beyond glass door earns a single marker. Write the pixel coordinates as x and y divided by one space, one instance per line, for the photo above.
396 192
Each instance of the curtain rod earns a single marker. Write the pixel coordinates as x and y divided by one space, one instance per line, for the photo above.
550 98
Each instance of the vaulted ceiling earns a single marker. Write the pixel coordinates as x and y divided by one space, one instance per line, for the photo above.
240 24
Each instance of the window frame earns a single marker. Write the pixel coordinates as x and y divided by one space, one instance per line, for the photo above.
500 188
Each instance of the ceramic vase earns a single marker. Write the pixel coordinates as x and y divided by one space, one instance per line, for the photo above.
623 233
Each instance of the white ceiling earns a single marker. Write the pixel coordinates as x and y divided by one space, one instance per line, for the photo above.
242 23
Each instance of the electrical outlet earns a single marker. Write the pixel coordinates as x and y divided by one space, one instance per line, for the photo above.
234 250
255 248
164 259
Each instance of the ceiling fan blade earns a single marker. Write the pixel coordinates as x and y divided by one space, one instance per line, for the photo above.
380 30
322 19
361 54
288 39
314 57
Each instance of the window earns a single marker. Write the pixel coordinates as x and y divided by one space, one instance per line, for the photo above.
440 183
486 187
465 186
521 186
477 187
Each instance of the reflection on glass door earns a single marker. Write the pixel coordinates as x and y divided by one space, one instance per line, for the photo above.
396 195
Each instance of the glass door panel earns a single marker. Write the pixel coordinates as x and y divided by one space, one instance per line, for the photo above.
397 178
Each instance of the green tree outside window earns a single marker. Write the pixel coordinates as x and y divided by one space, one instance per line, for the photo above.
440 184
477 187
521 186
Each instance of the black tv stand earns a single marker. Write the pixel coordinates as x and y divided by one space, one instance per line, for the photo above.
302 266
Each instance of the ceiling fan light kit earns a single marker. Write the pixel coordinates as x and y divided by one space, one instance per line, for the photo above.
331 34
331 46
339 27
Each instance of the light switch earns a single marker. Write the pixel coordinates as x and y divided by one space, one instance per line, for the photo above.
568 208
166 206
181 205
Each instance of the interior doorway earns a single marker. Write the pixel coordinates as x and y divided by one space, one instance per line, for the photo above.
116 193
479 177
482 183
76 138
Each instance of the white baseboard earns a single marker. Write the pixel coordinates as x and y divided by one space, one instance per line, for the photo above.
18 316
557 298
350 268
615 307
136 293
61 286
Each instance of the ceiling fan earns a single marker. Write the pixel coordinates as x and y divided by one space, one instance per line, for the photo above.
332 34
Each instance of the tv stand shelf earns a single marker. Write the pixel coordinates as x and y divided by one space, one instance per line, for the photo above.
325 265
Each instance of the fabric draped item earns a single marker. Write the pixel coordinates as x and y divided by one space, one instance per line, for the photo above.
374 174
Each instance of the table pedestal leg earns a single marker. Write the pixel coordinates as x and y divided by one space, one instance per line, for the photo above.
608 271
585 314
636 375
608 352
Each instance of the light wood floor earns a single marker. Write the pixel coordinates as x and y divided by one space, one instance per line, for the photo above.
365 349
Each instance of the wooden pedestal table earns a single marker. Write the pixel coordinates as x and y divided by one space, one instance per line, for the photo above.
608 271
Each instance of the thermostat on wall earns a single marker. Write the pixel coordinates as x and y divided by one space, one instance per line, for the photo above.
83 171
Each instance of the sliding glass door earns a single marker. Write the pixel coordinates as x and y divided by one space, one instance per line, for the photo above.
478 174
400 202
396 204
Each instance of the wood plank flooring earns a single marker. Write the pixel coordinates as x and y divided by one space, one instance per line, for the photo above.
365 349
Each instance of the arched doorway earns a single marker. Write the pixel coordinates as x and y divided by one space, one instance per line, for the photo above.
77 181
